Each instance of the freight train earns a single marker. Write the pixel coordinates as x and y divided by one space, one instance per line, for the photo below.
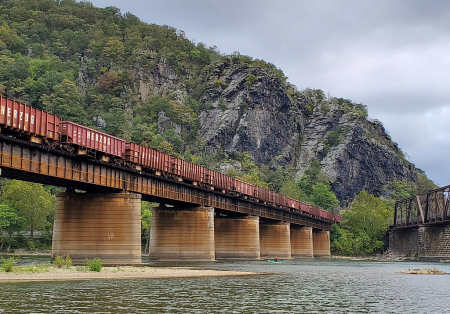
44 128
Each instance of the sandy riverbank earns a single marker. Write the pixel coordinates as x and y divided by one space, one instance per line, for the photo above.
115 273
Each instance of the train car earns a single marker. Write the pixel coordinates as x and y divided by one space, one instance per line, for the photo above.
35 123
223 182
280 200
155 160
89 141
315 211
263 194
293 203
244 188
175 166
133 153
193 172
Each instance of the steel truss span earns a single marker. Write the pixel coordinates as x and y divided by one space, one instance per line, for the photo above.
432 208
24 160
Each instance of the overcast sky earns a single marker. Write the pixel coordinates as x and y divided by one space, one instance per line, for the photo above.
393 56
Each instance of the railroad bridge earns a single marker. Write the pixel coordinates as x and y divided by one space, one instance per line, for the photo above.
422 226
191 223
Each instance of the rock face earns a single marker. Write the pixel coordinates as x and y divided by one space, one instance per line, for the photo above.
248 109
364 157
253 115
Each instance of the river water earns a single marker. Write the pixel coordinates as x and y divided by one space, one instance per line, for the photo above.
295 286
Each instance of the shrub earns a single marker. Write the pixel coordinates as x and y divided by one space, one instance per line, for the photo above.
251 79
60 261
94 265
8 263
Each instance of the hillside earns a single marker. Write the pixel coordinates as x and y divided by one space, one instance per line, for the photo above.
150 84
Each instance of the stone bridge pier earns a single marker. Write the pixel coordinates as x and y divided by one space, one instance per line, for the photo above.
182 234
275 239
237 237
107 226
428 242
301 242
321 243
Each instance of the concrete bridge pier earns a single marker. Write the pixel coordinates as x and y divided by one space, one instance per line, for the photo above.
301 242
107 226
321 243
237 237
182 234
275 239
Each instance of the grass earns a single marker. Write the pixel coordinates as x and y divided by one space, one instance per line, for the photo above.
39 268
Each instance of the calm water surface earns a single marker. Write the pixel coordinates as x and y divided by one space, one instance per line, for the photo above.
311 286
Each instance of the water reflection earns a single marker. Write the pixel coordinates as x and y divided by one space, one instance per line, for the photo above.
295 287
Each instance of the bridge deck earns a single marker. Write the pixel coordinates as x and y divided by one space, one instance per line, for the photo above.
28 161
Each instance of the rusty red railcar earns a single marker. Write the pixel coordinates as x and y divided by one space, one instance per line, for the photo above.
133 153
156 160
209 177
305 207
223 182
244 187
193 172
88 140
313 210
28 120
263 194
280 199
293 203
176 165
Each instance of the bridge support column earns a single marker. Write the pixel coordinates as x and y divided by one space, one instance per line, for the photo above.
321 243
430 242
237 237
182 234
301 242
107 226
275 239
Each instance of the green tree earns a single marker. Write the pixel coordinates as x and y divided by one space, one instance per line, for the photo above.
10 222
113 50
292 190
146 219
323 197
363 227
65 102
31 201
424 184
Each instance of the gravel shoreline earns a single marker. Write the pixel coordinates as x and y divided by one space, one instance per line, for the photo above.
116 273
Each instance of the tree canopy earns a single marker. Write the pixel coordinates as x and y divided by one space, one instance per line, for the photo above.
30 200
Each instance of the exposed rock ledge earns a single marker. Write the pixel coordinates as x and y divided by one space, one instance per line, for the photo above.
425 271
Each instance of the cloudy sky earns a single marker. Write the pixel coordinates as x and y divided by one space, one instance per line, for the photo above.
393 56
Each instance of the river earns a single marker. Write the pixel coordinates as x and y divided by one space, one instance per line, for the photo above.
295 286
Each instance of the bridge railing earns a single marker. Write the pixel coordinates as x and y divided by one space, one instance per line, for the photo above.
434 207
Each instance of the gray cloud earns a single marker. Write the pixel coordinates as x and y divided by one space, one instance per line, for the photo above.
391 55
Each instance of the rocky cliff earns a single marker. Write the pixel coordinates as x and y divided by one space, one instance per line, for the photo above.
251 110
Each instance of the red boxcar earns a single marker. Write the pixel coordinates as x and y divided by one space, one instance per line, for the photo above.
223 182
92 139
175 165
244 187
28 120
193 172
263 194
292 203
155 160
133 153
